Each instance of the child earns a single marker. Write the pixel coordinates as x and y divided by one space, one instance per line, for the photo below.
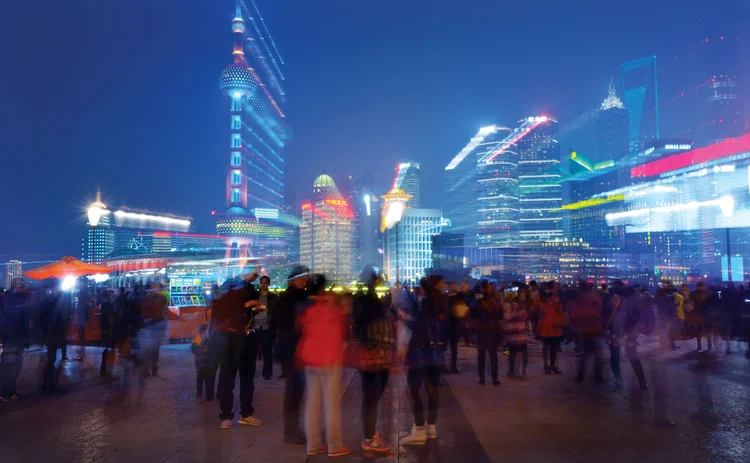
516 323
200 348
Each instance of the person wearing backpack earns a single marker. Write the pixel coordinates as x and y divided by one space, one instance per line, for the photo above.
375 338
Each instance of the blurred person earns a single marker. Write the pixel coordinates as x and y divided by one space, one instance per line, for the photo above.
515 324
81 312
15 336
586 321
151 330
696 319
321 353
615 315
532 304
646 309
456 316
263 323
107 324
375 337
552 322
54 317
468 298
290 303
237 350
488 316
423 359
671 312
205 376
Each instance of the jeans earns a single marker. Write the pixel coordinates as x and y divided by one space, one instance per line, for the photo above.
266 347
149 340
294 388
453 339
430 377
635 362
523 349
487 344
590 348
549 351
49 380
11 362
373 385
323 392
238 353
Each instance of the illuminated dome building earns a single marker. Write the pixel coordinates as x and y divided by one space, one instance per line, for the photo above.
253 223
327 232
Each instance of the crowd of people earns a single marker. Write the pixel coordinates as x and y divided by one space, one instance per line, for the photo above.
313 333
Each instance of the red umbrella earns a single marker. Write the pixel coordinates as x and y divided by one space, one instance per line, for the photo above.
66 267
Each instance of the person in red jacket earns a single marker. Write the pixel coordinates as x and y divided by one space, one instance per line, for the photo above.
321 353
552 320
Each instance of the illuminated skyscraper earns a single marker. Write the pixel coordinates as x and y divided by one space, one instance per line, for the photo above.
641 94
14 269
407 180
327 232
257 136
99 241
612 125
540 192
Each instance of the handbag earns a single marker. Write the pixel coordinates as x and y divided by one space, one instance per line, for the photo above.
610 337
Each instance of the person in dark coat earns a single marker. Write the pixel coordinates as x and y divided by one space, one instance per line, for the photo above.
288 306
54 316
263 322
15 336
488 316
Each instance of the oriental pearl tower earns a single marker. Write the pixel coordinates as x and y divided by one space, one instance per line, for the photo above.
252 222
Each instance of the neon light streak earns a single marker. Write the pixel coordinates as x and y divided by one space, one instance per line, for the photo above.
524 130
726 203
593 202
728 147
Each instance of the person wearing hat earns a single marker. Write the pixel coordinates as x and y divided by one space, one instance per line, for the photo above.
289 304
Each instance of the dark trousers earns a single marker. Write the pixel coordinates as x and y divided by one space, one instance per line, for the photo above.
635 362
487 345
430 377
590 349
373 385
266 348
11 362
523 349
206 378
50 381
549 351
238 353
294 389
453 340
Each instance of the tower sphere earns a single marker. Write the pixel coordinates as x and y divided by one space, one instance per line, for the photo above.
237 81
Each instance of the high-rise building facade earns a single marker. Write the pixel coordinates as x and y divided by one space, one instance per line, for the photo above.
408 245
257 136
13 271
641 95
327 243
612 127
408 180
540 191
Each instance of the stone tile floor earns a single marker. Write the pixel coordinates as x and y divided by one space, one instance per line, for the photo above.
536 419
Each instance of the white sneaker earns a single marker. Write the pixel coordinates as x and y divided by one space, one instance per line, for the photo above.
226 424
250 421
417 436
431 431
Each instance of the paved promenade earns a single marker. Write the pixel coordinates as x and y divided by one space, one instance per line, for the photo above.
536 419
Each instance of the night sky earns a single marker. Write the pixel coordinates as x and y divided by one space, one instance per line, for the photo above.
123 94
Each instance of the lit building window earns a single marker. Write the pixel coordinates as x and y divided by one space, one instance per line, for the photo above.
236 196
236 159
236 177
236 122
236 104
236 141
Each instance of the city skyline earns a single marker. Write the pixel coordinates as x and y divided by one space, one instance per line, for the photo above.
470 109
